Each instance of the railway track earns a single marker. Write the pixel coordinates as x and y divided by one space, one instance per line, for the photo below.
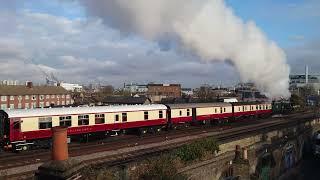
76 150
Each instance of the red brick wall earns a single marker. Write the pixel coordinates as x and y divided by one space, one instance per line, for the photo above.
170 91
37 100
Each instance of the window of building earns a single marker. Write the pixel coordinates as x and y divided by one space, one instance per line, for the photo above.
62 96
58 96
34 97
146 115
180 113
58 103
160 114
67 96
116 118
41 97
188 112
11 106
34 105
41 104
3 98
124 117
26 97
62 103
99 119
19 98
26 105
47 104
67 102
19 105
52 96
83 119
3 106
11 98
65 120
45 122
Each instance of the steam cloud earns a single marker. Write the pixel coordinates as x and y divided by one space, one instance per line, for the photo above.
207 28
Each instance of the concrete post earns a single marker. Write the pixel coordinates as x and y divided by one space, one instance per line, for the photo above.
237 153
245 153
240 166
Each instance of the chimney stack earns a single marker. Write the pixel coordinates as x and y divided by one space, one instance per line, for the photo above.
59 144
29 84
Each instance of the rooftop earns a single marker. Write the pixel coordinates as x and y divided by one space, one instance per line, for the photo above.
15 90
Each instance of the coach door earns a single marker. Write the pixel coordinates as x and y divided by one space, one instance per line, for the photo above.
169 116
194 114
15 125
4 126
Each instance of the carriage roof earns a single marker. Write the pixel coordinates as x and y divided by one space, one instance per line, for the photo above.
198 105
81 110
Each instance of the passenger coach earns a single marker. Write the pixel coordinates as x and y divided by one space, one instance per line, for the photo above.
198 112
21 128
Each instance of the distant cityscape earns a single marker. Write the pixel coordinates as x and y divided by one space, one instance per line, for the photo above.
54 93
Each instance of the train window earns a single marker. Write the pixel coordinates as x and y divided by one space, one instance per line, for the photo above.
45 122
124 117
224 109
146 115
221 110
116 118
215 110
180 113
160 114
99 119
260 107
257 107
65 120
239 108
242 108
188 112
83 119
16 125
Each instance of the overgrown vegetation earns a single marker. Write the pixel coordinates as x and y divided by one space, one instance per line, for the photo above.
165 166
162 167
197 149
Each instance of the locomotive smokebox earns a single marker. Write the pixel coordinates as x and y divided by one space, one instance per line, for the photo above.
59 144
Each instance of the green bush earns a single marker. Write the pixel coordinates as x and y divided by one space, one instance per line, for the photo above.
197 149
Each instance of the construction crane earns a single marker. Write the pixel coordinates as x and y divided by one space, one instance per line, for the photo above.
51 79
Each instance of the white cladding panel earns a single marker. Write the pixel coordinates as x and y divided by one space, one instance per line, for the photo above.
212 110
81 110
32 123
176 112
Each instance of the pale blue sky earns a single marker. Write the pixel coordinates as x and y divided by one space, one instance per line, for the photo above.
61 38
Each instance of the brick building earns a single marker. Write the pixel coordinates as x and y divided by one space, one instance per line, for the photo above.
158 91
29 96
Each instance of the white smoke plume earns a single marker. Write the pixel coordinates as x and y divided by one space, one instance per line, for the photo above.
208 29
